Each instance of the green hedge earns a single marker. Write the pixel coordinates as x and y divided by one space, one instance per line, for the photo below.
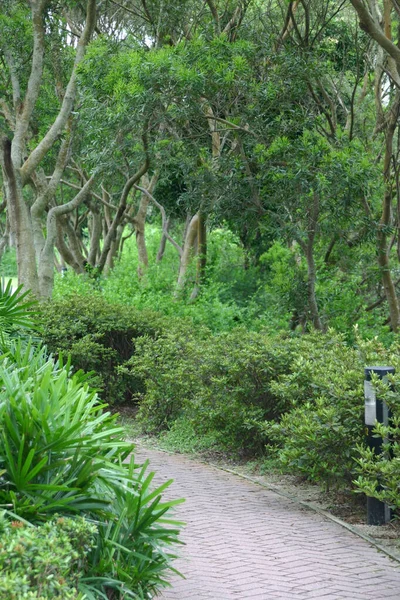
233 383
44 562
299 397
99 337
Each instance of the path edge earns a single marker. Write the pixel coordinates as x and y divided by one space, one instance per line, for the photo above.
279 492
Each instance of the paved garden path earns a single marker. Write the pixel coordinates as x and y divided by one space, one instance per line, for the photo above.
244 542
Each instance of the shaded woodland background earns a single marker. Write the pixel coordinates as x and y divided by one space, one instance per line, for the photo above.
256 140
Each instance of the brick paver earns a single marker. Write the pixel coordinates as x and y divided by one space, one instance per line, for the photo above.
245 542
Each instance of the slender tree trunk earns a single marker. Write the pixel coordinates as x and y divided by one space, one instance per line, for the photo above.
190 240
140 223
201 255
312 298
46 263
114 248
5 239
95 236
308 249
65 253
163 243
20 219
382 238
73 242
313 215
119 215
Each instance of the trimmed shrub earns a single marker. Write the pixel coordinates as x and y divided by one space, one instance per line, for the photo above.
221 383
300 396
44 562
99 337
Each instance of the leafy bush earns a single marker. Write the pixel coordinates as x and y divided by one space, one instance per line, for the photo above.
222 383
300 395
324 387
44 562
99 337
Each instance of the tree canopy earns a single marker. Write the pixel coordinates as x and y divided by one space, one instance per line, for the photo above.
275 120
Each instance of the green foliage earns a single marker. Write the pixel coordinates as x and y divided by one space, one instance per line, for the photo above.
51 427
17 314
231 296
221 383
318 435
98 337
44 562
60 453
8 263
300 395
317 442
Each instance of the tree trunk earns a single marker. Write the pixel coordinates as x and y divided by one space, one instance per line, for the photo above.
19 164
140 223
95 236
308 249
163 243
114 248
382 240
190 240
118 217
65 253
201 255
21 223
5 239
46 263
311 295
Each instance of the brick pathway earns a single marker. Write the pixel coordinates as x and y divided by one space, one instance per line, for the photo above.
245 542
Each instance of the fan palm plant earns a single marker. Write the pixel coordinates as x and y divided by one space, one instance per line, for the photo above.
18 314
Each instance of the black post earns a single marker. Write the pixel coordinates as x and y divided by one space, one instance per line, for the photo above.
378 513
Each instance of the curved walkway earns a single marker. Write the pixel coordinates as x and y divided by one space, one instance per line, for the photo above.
245 542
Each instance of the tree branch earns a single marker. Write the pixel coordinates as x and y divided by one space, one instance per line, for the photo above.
34 82
56 128
163 218
231 125
215 15
373 28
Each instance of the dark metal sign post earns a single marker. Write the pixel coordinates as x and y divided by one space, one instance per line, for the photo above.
378 513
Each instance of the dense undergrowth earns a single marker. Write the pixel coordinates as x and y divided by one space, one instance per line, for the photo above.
277 395
63 455
227 373
265 294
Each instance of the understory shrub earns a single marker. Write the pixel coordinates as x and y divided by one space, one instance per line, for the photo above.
46 561
299 398
223 383
317 436
99 337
